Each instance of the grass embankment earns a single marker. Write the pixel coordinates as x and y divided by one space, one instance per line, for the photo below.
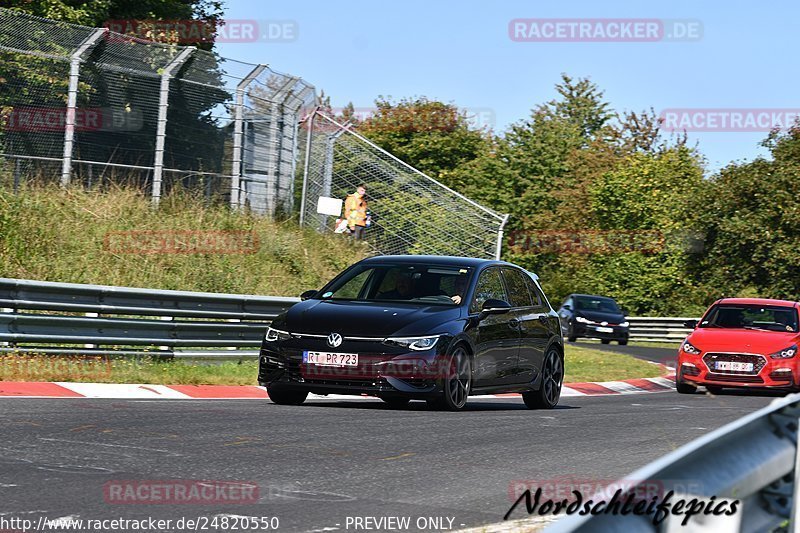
582 364
79 236
585 364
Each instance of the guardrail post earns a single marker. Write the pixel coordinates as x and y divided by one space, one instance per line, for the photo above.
167 319
5 310
236 167
72 101
161 129
91 315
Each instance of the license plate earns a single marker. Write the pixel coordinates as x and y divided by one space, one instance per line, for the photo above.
733 366
330 359
605 330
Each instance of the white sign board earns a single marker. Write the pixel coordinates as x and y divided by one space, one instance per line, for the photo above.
329 206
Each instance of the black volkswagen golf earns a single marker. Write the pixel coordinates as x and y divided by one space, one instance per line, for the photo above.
418 327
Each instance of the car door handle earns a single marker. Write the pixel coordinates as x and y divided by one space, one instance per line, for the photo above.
513 323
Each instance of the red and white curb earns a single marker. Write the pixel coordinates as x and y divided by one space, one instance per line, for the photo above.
17 389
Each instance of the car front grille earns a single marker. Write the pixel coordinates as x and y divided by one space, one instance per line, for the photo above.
739 378
759 362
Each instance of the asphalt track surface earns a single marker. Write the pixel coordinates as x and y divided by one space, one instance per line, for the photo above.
319 463
665 356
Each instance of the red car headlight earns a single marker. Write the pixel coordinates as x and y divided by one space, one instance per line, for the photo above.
688 347
786 353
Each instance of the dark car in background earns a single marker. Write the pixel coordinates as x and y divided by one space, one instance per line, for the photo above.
595 317
430 328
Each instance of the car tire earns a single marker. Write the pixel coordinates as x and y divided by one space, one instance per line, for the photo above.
456 383
396 402
571 337
685 388
714 389
282 396
623 342
552 382
605 341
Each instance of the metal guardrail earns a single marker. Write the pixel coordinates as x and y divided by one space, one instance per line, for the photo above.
46 317
753 460
658 329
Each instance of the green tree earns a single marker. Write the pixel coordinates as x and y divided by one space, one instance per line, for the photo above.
750 212
98 12
432 136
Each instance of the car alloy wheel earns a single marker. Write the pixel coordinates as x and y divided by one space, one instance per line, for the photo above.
456 382
552 381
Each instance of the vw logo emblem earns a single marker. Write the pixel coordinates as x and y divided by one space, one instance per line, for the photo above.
334 340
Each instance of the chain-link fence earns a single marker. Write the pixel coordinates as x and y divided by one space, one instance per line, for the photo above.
89 104
410 213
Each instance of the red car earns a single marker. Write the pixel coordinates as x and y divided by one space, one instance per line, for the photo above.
742 342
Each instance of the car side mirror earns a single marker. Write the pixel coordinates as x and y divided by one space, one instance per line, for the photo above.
308 294
567 307
691 324
493 306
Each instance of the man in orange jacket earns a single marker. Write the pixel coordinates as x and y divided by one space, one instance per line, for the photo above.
355 212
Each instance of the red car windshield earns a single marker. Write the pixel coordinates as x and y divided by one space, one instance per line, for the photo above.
768 318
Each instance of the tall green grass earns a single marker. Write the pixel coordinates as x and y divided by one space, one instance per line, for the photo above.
53 234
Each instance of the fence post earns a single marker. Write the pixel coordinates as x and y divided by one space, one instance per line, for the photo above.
72 101
161 131
295 131
236 168
327 178
500 238
310 125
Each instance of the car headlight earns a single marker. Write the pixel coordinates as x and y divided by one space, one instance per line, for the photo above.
688 347
413 343
582 320
274 335
786 353
625 324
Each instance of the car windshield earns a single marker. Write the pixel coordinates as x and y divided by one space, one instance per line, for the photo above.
423 284
770 318
596 303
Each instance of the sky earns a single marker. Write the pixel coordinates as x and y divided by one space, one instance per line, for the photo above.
739 58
